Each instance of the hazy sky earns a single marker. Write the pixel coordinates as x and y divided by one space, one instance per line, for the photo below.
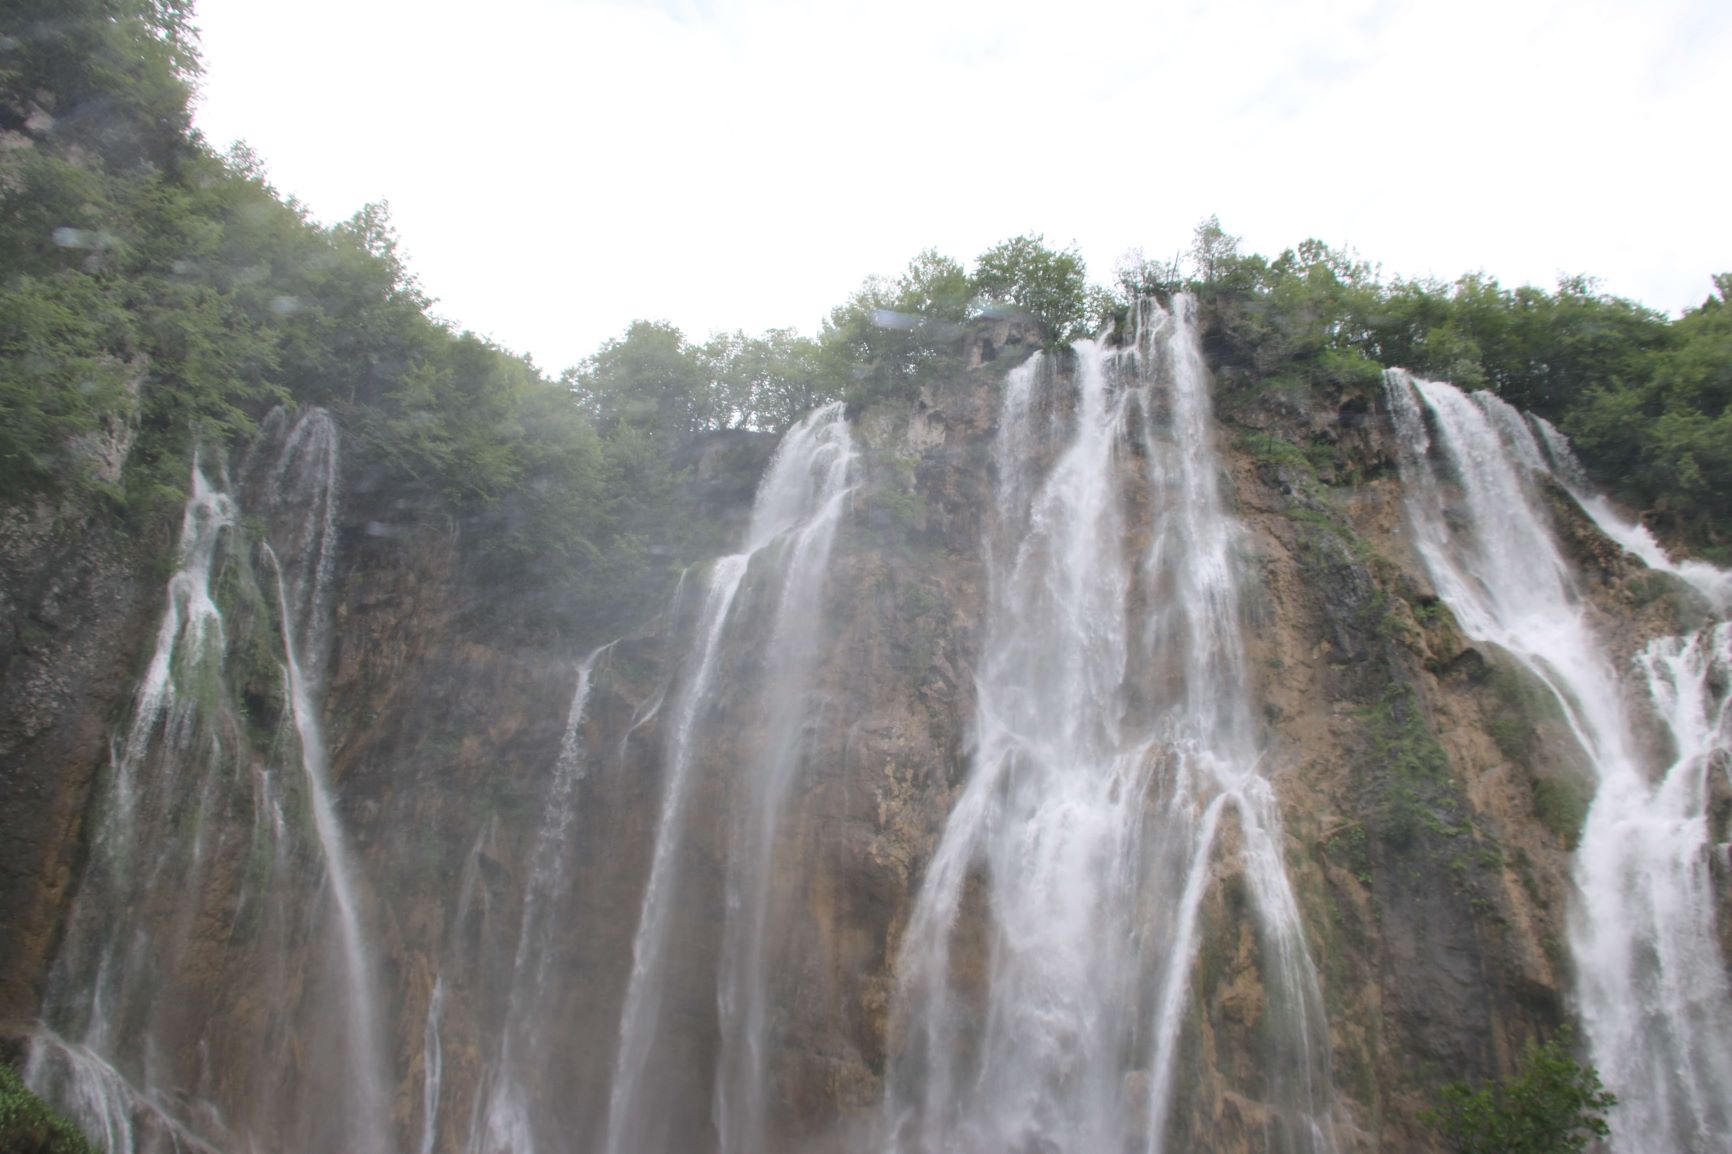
558 168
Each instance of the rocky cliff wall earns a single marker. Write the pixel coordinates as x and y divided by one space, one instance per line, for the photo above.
77 603
1428 810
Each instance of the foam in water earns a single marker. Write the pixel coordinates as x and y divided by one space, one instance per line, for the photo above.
1650 979
1111 748
1652 982
793 521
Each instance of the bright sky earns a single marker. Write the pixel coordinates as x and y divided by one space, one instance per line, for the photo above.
558 168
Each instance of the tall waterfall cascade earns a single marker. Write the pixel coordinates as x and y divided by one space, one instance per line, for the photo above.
1003 791
799 505
191 799
1115 745
1652 990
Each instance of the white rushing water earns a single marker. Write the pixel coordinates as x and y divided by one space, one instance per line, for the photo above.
305 477
140 975
432 1067
191 630
1112 746
1712 582
369 1112
801 498
99 985
1650 980
507 1123
800 505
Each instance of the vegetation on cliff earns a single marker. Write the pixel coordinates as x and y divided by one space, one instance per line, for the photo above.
1554 1105
1644 398
160 296
27 1126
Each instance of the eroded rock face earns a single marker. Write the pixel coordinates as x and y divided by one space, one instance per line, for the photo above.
1425 790
77 601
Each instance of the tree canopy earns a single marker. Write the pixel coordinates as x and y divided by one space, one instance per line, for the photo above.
157 297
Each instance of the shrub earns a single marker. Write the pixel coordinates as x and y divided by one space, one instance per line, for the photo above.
1553 1106
27 1126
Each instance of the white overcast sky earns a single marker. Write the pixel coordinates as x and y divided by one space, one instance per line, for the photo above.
558 168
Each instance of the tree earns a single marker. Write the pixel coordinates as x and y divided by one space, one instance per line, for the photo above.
1213 251
1553 1106
890 334
936 287
1047 284
765 382
651 378
112 76
1137 275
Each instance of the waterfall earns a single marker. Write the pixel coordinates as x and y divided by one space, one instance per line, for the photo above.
808 496
1712 582
1111 744
369 1111
794 516
432 1067
191 628
1651 984
98 995
506 1125
171 980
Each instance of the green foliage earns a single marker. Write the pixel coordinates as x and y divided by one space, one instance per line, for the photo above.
27 1126
1048 284
1663 426
935 287
1553 1106
1214 253
651 379
765 382
1297 320
1645 400
891 335
1561 804
107 76
151 289
60 380
1410 768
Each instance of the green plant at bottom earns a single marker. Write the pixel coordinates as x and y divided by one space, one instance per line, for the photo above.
27 1126
1553 1106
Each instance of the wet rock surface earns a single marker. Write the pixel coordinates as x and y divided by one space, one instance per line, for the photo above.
1429 855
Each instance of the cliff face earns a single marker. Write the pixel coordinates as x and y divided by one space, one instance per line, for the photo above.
76 604
1427 799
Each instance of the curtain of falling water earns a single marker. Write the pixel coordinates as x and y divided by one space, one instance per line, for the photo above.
172 997
1111 746
812 501
91 1056
1651 982
798 505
